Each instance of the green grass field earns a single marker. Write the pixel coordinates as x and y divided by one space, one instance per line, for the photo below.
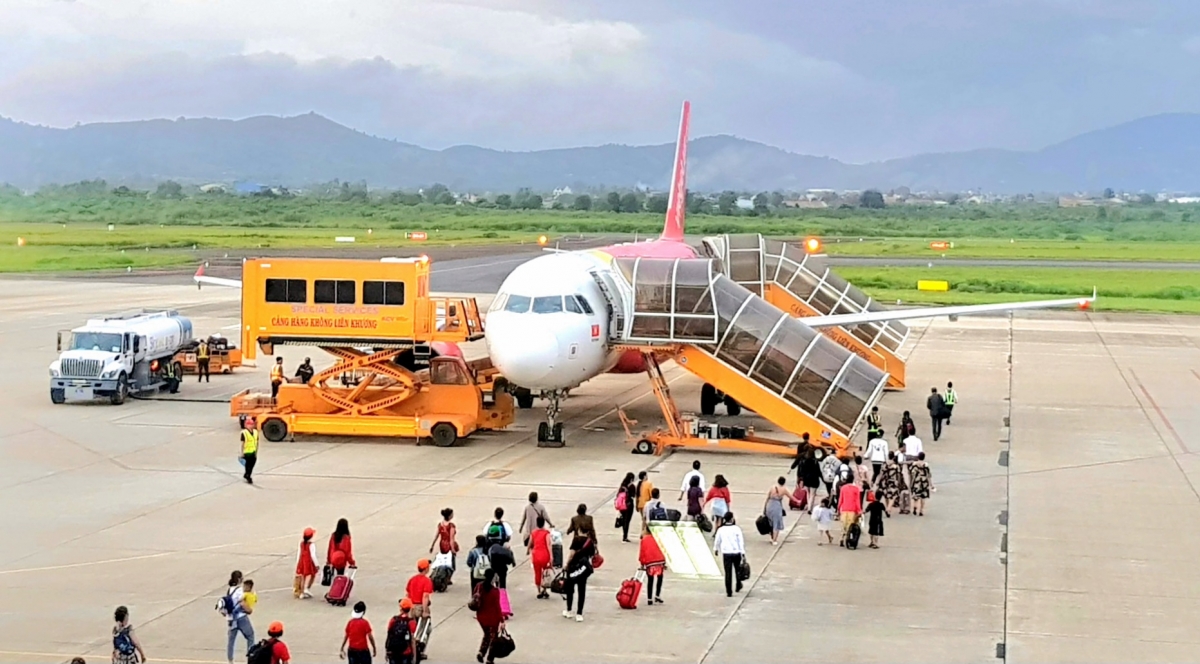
1079 250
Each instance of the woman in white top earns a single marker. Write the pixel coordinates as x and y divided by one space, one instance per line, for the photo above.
730 544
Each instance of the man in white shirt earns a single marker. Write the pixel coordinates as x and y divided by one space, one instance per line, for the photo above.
877 454
913 447
687 479
730 544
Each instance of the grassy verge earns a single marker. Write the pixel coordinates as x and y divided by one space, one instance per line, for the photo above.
1079 250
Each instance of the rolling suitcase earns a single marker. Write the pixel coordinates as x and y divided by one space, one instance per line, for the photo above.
340 589
556 555
630 591
763 524
799 499
853 535
704 523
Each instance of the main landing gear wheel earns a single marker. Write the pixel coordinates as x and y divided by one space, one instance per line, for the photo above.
524 398
274 429
550 432
643 446
708 399
444 434
732 407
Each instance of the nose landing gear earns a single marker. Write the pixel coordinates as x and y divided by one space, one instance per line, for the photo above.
550 432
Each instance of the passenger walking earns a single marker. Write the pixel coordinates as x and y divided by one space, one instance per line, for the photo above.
358 645
446 539
305 371
126 647
830 465
719 499
306 566
626 502
400 644
655 510
582 526
490 616
913 447
202 362
877 454
849 507
907 426
478 561
500 558
644 487
823 517
237 614
951 398
340 553
249 456
498 530
803 450
810 475
875 512
922 484
862 477
420 590
579 569
695 498
530 516
540 558
730 544
687 479
276 377
274 641
937 412
774 508
874 424
891 483
654 564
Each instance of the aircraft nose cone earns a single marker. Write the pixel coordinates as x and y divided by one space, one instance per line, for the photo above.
525 354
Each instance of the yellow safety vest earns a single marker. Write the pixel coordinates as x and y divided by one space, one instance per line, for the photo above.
951 397
277 374
202 351
249 441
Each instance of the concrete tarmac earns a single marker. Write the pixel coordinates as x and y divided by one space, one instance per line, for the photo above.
1060 529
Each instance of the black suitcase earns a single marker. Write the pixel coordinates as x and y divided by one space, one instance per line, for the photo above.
704 523
674 516
556 555
853 535
763 524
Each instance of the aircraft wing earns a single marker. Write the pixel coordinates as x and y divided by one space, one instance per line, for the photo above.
201 279
848 320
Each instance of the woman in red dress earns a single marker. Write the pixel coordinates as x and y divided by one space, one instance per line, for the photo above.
539 547
306 565
652 560
340 554
446 538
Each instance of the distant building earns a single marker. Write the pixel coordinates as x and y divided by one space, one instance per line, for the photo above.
215 188
249 188
805 204
744 203
1184 200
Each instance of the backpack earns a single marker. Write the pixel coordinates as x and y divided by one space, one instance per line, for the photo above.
622 501
122 642
399 637
225 605
658 513
261 652
496 533
483 563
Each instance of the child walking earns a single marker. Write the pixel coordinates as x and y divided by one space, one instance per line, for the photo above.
823 517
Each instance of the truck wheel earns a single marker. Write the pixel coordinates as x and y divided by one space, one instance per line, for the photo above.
274 429
524 398
732 407
58 395
643 446
119 395
708 399
444 434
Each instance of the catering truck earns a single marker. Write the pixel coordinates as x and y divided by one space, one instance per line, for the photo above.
119 355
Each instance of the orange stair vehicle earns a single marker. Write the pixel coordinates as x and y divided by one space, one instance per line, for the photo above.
379 322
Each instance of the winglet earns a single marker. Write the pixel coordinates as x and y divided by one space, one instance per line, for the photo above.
197 277
677 203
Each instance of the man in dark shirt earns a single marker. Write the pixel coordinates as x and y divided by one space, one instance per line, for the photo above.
937 412
501 558
305 371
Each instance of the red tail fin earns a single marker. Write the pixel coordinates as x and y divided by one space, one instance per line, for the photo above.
677 204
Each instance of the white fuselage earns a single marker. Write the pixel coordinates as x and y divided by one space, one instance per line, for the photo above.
548 327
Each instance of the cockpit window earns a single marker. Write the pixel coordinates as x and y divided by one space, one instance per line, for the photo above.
499 302
572 304
587 307
518 304
548 304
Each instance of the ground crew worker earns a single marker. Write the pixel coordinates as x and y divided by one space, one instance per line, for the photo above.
950 398
276 376
171 376
305 371
249 449
202 361
874 425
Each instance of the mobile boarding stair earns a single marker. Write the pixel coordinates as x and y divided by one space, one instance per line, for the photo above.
802 284
798 379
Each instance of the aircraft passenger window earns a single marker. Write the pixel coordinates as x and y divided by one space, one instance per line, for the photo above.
287 290
572 304
383 292
548 304
584 304
329 291
518 304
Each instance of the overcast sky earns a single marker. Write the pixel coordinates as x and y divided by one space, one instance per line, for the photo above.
857 80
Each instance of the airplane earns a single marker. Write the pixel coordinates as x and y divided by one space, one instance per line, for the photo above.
548 328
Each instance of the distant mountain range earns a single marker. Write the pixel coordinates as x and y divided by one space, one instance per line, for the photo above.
1156 153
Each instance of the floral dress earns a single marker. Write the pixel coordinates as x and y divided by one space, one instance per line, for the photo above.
891 482
920 480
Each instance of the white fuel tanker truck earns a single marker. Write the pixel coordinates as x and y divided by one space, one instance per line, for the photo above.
118 355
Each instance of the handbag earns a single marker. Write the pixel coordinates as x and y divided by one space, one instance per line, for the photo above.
327 575
597 561
743 569
503 645
473 605
558 585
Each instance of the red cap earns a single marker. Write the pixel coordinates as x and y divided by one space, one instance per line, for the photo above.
309 532
422 564
275 629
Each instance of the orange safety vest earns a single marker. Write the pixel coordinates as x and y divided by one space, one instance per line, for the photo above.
277 373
